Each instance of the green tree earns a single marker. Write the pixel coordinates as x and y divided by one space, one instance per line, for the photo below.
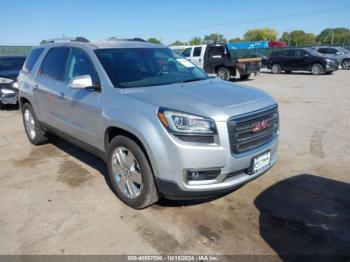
195 41
336 35
214 38
235 40
153 40
177 42
260 34
298 38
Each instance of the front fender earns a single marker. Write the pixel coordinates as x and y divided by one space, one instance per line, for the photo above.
148 131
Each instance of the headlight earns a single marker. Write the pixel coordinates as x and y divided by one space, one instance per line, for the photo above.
329 61
184 123
7 91
15 85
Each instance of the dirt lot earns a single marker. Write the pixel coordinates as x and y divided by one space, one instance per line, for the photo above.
54 198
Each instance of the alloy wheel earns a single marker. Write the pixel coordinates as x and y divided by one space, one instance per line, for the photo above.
126 172
29 123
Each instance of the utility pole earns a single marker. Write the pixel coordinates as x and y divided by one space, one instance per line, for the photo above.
218 32
332 38
289 38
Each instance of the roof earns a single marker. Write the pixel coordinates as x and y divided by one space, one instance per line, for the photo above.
117 43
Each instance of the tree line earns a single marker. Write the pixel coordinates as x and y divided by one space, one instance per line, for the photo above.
339 35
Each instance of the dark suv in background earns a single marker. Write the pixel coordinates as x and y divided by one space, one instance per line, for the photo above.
301 59
9 70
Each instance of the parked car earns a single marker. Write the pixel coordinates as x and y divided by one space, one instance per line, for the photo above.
9 70
300 59
216 59
340 54
163 127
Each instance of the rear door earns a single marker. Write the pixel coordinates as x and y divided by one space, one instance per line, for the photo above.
49 87
302 59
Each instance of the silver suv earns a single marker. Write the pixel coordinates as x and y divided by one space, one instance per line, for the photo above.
163 127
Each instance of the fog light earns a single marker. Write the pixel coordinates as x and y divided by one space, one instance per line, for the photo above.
198 175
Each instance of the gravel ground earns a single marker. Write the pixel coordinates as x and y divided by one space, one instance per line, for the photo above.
54 199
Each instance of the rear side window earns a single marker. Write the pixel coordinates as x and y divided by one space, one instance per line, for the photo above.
197 51
55 62
322 50
32 58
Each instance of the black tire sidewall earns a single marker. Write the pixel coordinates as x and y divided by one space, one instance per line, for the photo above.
148 185
344 61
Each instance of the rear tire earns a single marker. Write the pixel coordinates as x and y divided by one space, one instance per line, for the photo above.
36 135
317 69
244 77
224 73
130 173
346 64
276 69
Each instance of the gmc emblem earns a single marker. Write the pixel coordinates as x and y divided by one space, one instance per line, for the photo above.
261 125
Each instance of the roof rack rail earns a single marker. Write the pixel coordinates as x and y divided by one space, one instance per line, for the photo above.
65 39
135 39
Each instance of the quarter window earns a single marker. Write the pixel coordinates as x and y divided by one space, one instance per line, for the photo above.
55 62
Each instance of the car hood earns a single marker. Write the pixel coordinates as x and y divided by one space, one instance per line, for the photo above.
213 98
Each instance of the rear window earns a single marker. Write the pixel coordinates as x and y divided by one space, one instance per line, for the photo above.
32 58
55 62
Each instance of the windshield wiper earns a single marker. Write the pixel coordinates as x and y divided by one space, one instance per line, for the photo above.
193 80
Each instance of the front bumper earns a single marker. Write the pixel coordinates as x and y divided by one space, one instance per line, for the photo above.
332 67
234 169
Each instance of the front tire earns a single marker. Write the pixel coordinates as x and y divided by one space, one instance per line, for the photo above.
317 69
130 173
36 135
224 73
276 69
346 64
244 77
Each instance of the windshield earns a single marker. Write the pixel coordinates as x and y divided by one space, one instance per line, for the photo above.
11 64
136 67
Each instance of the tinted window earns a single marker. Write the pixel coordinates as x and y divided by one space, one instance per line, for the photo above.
197 51
216 51
332 51
300 53
187 52
11 63
55 62
286 53
79 64
32 58
322 50
136 67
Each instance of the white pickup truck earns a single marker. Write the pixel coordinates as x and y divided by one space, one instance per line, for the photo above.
216 59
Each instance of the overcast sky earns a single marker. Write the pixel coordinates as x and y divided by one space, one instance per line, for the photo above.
28 22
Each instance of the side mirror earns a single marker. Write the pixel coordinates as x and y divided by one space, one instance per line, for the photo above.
82 82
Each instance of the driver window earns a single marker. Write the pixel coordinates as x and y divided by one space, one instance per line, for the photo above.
79 64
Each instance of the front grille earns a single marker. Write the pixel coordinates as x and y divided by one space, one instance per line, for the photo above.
242 137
